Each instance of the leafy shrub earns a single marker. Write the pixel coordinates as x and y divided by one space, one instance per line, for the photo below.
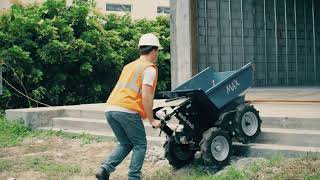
63 55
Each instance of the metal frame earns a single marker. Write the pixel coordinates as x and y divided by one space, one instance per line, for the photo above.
286 34
296 39
219 35
305 38
276 38
265 41
242 34
254 25
206 31
230 33
314 45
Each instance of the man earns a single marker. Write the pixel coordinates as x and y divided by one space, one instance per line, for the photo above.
131 101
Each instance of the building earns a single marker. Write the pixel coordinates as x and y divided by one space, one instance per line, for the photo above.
281 38
4 4
138 9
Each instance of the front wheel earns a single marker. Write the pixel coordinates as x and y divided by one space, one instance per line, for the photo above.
178 155
216 147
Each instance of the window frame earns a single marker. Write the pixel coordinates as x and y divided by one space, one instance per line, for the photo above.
118 7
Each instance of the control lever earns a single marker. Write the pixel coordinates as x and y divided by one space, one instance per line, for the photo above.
166 129
163 125
165 111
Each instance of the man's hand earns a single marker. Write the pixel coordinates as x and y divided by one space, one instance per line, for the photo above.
155 123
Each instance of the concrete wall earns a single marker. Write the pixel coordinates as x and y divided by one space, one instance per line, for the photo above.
184 43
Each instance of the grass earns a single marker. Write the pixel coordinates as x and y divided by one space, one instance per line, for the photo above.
275 167
311 156
85 138
232 173
45 165
52 169
12 133
163 174
305 167
5 165
275 160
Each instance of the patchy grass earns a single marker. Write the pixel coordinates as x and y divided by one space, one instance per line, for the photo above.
12 133
48 154
51 167
304 167
275 160
30 148
85 138
232 173
165 173
60 155
277 167
310 156
5 165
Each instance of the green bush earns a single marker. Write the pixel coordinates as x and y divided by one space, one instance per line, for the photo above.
63 55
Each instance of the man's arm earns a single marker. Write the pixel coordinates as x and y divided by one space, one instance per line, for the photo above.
147 102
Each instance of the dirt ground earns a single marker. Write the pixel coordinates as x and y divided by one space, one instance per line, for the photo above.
60 158
27 161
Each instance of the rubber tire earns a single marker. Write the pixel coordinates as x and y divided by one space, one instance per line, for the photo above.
170 148
205 146
240 135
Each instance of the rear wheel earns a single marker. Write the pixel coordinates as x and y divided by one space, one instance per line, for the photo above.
216 147
248 123
178 155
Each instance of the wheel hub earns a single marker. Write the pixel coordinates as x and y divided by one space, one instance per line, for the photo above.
249 123
220 148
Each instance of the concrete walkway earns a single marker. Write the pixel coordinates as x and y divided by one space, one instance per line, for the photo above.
272 109
300 94
271 102
290 120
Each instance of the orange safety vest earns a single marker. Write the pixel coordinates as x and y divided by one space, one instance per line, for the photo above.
127 92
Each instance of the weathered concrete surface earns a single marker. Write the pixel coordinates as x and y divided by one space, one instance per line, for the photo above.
243 150
292 137
291 128
303 94
35 117
184 52
283 115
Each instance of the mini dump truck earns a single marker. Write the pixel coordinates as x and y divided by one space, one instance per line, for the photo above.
211 112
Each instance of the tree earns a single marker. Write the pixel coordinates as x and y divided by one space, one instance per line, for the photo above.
64 55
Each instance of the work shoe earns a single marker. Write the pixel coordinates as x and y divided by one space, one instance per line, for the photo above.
102 174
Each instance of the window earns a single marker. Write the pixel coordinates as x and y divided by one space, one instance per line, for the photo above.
118 7
164 10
